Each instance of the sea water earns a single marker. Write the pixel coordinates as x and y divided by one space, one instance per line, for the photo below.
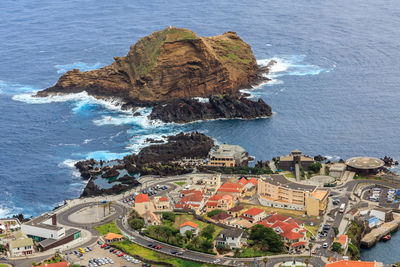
334 90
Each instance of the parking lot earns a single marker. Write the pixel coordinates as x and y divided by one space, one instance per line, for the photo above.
151 191
97 256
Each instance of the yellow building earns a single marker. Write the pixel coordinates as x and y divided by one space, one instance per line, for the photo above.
227 156
277 191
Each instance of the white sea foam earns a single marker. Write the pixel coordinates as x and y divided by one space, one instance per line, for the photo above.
86 141
106 155
202 99
15 88
4 212
61 69
70 164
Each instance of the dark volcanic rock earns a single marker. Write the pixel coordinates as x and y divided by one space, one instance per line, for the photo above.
85 167
228 107
92 189
389 161
111 173
320 158
190 145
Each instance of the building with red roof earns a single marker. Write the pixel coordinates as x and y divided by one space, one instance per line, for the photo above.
344 241
235 189
293 235
162 204
253 215
189 226
223 202
191 199
143 204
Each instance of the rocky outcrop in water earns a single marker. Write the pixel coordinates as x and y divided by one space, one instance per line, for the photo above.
217 107
92 189
170 64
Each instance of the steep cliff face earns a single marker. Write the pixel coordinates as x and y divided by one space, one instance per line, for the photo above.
169 64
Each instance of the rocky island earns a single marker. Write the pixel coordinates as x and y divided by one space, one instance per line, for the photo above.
169 69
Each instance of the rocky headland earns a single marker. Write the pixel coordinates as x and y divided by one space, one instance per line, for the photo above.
157 159
217 106
171 67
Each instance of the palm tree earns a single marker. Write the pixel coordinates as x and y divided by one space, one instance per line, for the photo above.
265 260
307 261
109 207
104 209
310 245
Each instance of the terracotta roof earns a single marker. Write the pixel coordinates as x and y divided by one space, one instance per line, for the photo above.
230 187
212 204
192 197
221 216
299 244
299 222
253 181
292 235
58 264
342 239
253 211
111 236
236 208
343 263
189 223
141 198
215 198
276 217
164 199
243 181
178 206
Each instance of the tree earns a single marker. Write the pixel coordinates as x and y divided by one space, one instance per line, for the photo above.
310 246
336 230
207 245
2 248
315 167
169 216
266 239
208 231
337 247
236 253
307 261
137 223
214 212
109 207
265 260
189 234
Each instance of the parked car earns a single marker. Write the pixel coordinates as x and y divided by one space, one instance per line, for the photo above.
325 245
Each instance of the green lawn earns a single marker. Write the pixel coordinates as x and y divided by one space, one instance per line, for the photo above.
250 253
289 175
182 218
148 254
108 228
180 183
3 265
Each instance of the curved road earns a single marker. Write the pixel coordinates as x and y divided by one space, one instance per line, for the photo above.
63 219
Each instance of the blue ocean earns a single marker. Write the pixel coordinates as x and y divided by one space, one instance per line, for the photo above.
334 91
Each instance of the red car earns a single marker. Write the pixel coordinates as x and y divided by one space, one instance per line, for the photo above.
103 246
158 247
120 255
116 252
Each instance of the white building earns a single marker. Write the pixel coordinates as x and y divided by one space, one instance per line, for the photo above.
234 238
189 226
43 227
21 245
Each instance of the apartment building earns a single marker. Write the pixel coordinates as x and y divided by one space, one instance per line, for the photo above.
277 191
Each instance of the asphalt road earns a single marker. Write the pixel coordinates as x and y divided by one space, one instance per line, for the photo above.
191 255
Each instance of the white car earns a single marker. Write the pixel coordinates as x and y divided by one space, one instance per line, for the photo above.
325 245
216 261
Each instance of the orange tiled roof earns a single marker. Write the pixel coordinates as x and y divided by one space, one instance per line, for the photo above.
343 263
189 223
141 198
111 236
253 181
299 244
342 239
253 211
243 181
230 187
164 199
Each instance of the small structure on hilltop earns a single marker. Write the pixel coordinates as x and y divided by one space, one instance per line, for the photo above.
364 165
337 170
227 156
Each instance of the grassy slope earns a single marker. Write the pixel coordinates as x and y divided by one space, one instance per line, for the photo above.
149 254
107 228
149 47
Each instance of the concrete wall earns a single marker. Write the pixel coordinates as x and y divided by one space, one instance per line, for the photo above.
281 205
33 230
